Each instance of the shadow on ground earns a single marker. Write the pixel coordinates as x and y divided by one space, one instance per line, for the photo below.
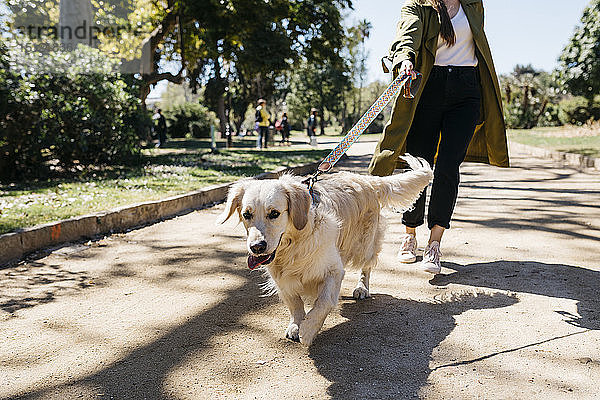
37 283
142 373
551 280
384 349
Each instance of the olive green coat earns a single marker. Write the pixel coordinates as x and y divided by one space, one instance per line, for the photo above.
417 40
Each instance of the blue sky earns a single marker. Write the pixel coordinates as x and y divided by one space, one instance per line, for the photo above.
519 31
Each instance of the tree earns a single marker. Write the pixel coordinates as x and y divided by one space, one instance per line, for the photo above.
138 32
34 13
316 85
579 64
357 35
244 46
527 94
233 47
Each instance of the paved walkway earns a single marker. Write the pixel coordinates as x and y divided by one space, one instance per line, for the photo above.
170 311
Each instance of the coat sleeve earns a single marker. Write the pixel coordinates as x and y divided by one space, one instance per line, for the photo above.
409 35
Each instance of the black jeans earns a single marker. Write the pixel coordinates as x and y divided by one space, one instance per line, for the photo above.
447 114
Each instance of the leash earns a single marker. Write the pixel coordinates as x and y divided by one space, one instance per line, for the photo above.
401 82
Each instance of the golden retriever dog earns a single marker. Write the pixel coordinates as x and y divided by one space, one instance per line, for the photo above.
306 245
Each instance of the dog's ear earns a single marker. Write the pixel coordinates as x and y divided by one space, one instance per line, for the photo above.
234 201
298 204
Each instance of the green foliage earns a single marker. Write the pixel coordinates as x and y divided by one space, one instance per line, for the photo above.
579 65
529 97
63 110
243 47
315 86
36 13
356 56
551 117
189 119
578 110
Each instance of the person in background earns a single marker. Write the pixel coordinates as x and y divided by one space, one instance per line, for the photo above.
263 119
161 127
285 129
456 113
311 126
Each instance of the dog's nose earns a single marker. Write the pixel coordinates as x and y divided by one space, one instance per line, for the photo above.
259 247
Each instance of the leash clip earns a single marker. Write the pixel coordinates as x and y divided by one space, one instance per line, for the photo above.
310 182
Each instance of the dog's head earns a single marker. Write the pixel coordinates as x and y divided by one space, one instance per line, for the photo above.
268 208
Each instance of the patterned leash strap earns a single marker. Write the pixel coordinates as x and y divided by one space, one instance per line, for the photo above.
401 82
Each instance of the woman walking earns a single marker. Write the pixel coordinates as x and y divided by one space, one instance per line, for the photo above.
285 129
263 120
456 113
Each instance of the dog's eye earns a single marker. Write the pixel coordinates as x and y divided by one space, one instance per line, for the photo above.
247 215
274 214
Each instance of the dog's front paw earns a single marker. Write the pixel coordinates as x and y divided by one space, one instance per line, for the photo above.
308 331
293 332
360 292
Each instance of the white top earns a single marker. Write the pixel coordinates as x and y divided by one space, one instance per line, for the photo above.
462 54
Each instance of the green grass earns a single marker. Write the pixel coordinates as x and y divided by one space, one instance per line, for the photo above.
183 166
566 139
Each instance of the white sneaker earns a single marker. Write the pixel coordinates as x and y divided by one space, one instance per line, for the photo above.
408 249
431 258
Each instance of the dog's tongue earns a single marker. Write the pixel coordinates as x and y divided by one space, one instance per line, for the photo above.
254 261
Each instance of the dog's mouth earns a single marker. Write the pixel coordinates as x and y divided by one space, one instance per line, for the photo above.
257 261
265 259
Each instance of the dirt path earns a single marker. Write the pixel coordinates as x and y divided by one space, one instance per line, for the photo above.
170 311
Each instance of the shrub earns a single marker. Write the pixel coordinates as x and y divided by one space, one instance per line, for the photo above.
578 110
529 98
550 116
191 119
65 109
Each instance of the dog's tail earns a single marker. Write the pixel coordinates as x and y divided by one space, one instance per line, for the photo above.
402 190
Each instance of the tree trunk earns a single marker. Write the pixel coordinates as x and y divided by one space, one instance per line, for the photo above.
344 105
542 111
525 99
221 114
238 124
354 105
148 64
322 119
321 111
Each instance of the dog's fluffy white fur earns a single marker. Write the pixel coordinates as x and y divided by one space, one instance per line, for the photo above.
305 247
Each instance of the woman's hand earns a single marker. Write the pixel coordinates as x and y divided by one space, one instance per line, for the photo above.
407 68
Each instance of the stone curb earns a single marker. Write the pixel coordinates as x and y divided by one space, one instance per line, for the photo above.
16 245
576 160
